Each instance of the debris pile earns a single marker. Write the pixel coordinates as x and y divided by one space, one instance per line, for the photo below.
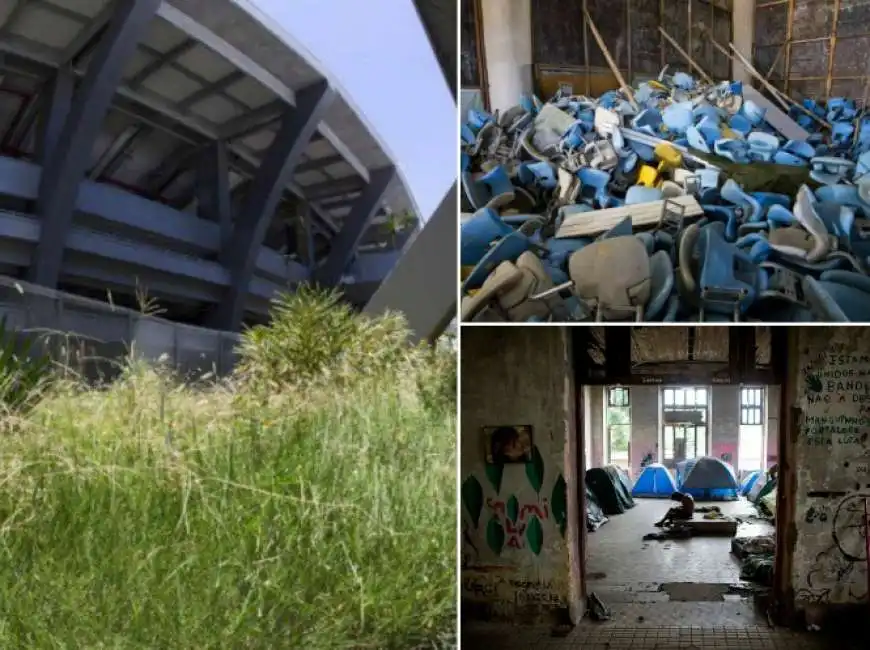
678 200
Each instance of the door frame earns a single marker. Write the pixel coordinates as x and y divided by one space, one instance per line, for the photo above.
784 345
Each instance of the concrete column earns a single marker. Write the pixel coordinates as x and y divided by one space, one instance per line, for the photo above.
596 423
743 36
772 397
645 426
724 428
507 38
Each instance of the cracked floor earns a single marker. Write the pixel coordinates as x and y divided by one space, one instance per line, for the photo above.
670 595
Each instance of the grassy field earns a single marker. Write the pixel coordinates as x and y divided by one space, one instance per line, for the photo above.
307 502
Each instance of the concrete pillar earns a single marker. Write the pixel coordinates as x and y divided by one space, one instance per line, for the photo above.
507 38
724 429
772 397
645 426
597 453
743 26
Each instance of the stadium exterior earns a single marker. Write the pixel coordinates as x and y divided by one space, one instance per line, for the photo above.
191 151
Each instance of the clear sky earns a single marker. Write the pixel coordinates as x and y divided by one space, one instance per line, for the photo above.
378 53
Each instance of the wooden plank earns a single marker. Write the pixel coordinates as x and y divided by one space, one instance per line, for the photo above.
775 116
587 224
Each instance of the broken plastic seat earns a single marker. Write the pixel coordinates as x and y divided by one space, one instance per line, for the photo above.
506 249
727 277
613 275
478 234
839 296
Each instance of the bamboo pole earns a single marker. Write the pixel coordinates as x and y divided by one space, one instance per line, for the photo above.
707 78
755 73
775 61
774 92
610 62
861 113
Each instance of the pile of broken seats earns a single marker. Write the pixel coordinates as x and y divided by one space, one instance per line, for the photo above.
684 202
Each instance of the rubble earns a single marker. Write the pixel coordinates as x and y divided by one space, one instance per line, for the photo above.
705 203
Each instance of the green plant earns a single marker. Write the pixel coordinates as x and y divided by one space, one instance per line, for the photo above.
315 337
306 502
24 372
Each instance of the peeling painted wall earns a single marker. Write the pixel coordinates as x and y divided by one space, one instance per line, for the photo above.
832 456
596 416
515 553
645 419
724 422
773 394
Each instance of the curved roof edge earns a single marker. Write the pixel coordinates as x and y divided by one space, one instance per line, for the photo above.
280 32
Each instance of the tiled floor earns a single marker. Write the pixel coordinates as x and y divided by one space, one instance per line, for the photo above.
636 579
618 556
593 636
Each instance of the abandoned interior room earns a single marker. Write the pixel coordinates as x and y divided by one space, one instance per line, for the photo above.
575 439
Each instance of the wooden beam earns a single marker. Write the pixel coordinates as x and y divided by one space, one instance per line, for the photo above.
686 56
587 224
624 87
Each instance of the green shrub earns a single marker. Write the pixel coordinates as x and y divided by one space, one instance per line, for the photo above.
307 502
24 372
313 337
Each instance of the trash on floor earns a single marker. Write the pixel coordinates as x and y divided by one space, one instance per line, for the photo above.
677 200
678 531
757 557
598 611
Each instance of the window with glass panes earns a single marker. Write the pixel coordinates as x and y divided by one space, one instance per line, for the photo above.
618 426
750 450
751 406
684 423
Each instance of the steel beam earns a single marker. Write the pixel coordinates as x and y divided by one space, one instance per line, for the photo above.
161 117
166 58
88 38
65 168
333 188
423 284
213 190
318 163
304 236
275 172
207 91
355 224
108 162
55 110
243 62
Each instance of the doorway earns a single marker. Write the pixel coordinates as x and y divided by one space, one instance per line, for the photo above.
673 413
684 424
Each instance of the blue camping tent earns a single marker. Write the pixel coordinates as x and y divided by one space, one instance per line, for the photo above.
683 469
654 481
748 482
710 479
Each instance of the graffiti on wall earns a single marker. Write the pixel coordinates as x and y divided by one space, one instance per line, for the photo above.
842 565
499 590
834 477
509 523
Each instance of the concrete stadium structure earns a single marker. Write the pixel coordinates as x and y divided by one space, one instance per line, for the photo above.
191 150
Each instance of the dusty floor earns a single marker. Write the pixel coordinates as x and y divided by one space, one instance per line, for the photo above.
621 566
667 595
649 635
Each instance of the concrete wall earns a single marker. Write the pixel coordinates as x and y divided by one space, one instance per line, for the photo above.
516 558
645 425
724 422
507 37
832 456
91 336
596 427
773 394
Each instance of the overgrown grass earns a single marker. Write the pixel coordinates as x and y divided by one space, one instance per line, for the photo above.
260 512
